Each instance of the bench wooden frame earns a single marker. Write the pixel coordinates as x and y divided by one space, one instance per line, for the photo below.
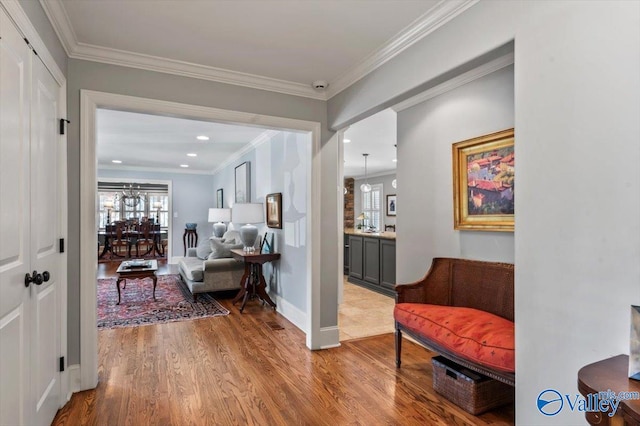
486 286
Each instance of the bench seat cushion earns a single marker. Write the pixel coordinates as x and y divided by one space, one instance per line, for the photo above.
478 336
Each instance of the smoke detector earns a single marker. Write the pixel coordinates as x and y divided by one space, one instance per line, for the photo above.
319 84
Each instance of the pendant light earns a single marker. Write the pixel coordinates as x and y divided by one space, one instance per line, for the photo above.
394 183
365 187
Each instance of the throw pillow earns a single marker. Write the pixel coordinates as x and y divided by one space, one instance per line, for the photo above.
203 250
221 250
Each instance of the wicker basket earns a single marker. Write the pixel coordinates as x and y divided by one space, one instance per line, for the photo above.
471 391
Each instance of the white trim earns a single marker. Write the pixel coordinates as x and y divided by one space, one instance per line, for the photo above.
63 208
73 372
263 137
341 194
314 207
89 102
181 170
329 337
430 21
462 79
20 18
296 316
437 16
88 238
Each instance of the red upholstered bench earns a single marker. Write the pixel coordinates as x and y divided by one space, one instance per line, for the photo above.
463 310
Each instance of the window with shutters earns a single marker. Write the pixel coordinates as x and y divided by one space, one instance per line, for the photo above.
371 207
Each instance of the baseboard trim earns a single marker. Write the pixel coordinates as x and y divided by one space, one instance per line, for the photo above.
292 313
329 337
75 380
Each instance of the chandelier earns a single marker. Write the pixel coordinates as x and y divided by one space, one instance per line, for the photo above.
365 187
131 196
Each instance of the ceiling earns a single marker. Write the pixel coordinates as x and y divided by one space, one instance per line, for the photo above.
151 142
281 46
278 45
376 136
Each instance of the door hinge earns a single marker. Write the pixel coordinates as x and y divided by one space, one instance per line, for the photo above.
62 121
61 364
61 245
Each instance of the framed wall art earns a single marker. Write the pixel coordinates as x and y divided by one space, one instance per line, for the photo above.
219 198
274 210
484 183
391 204
243 183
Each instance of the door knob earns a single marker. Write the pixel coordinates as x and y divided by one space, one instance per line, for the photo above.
46 276
35 278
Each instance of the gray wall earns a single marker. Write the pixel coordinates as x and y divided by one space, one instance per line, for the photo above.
146 84
425 134
38 18
281 164
387 189
577 237
191 197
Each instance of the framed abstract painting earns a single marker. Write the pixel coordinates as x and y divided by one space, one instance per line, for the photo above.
484 183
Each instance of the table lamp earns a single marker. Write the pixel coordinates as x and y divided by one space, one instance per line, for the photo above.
157 205
218 216
108 205
249 214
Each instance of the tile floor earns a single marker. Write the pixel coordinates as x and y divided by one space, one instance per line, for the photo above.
364 313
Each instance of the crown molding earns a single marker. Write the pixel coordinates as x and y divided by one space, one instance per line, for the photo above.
437 16
20 18
62 25
153 169
462 79
434 18
263 137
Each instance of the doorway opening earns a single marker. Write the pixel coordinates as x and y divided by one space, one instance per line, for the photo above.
308 318
369 174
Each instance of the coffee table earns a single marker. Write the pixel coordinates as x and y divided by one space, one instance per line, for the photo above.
137 268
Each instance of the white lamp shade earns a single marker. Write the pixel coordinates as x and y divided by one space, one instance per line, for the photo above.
108 204
219 215
243 213
157 205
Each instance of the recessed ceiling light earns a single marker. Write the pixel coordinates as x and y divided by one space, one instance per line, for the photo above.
184 165
116 161
202 138
395 160
346 140
192 154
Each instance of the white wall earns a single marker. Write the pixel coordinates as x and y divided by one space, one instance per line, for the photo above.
425 135
577 237
281 164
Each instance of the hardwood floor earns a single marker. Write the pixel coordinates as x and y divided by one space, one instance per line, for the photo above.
254 368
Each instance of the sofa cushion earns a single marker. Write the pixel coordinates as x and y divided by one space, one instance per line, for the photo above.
192 268
220 250
476 335
203 250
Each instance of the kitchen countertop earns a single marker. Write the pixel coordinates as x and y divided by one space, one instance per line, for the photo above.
386 235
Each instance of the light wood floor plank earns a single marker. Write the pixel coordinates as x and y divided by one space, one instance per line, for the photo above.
237 370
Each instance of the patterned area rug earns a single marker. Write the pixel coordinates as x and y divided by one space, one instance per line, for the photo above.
137 307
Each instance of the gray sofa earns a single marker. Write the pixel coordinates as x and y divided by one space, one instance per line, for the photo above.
210 267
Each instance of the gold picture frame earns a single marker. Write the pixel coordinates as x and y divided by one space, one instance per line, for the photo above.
484 183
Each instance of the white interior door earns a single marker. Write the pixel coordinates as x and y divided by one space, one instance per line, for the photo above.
15 253
29 227
45 256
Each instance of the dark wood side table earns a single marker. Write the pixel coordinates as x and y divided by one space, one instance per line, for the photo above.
610 374
189 239
252 283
